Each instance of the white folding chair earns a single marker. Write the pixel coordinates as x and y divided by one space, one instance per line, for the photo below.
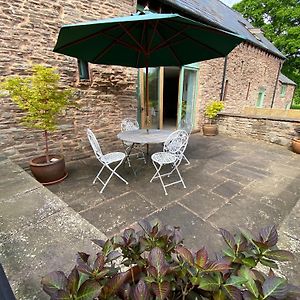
130 148
187 126
172 154
105 160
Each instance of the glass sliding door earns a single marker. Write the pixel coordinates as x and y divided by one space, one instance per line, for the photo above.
187 95
155 97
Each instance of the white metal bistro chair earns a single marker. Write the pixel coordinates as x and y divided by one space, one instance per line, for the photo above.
105 160
130 148
172 155
187 126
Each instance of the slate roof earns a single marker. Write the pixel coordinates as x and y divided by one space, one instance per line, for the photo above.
282 78
219 14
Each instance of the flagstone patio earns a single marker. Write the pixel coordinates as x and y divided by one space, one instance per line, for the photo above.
230 183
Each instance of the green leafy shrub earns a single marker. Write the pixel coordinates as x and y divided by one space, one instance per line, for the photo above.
212 109
40 97
153 263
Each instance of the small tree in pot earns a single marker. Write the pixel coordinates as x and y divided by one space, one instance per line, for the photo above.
211 112
42 100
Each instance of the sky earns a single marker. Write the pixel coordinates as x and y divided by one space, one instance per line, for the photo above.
230 2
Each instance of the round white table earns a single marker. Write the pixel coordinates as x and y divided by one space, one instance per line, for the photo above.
141 136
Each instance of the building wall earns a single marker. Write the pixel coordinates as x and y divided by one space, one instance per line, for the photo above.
29 30
248 69
286 100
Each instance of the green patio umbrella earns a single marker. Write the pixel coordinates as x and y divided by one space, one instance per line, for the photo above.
145 40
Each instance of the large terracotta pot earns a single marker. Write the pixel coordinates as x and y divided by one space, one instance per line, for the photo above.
296 145
49 173
210 129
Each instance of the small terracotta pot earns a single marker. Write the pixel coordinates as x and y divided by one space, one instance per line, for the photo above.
48 173
210 129
296 145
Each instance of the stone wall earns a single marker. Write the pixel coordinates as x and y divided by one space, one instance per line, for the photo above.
270 129
248 69
29 30
284 101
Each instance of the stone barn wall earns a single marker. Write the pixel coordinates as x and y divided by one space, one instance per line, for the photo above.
29 30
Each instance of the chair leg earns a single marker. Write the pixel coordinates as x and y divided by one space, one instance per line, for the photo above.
157 175
97 176
181 179
185 158
113 172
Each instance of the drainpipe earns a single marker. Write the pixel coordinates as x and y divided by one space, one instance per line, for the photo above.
275 88
224 77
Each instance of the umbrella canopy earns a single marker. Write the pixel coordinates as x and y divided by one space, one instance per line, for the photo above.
145 40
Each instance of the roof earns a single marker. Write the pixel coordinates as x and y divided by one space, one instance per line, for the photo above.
286 80
219 14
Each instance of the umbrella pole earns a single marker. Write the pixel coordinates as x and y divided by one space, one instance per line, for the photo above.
147 99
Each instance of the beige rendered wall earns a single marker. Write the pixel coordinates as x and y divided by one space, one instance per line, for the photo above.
29 29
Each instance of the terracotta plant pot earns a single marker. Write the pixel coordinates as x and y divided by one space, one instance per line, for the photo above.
48 173
210 129
296 145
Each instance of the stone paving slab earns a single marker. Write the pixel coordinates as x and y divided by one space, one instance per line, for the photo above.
39 232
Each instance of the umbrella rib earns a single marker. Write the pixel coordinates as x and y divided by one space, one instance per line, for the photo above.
170 46
132 37
142 38
86 38
196 41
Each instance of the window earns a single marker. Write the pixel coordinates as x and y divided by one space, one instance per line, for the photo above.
261 97
283 90
83 69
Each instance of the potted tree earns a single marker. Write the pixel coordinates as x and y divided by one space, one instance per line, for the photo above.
211 112
42 100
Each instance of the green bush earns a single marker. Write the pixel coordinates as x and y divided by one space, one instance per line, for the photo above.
213 108
153 263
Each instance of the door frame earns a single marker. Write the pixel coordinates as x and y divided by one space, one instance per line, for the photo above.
192 67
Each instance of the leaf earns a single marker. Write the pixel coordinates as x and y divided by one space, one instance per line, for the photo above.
279 255
269 235
228 238
276 287
216 266
99 243
161 290
233 292
156 259
89 290
115 283
268 263
248 296
81 256
108 247
249 262
146 226
53 282
185 254
62 295
99 262
208 283
73 281
113 255
201 257
218 295
250 284
236 280
141 291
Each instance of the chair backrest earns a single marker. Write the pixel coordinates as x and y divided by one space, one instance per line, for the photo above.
186 125
94 143
129 124
176 143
